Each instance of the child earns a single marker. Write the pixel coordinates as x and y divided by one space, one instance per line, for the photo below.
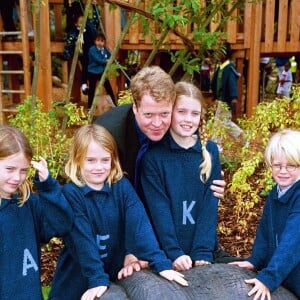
26 220
285 81
98 56
110 221
181 204
90 32
276 249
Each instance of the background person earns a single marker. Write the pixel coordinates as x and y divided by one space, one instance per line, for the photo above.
97 59
225 89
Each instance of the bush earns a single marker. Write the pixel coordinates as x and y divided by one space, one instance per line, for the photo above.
44 131
248 178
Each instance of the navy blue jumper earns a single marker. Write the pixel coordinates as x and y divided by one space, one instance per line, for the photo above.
97 59
183 209
108 225
227 89
276 249
22 230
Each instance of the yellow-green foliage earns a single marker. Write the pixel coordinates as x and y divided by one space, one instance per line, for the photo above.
43 130
125 97
245 159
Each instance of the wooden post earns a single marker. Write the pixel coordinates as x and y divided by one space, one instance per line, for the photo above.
254 56
240 105
44 89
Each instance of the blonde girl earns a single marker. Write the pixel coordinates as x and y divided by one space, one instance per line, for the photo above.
26 220
110 222
176 177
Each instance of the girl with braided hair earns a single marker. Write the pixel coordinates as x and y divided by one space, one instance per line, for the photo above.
176 176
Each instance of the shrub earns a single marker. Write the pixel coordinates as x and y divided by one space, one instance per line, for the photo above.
44 131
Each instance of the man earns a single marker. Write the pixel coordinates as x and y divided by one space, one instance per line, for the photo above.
224 88
146 121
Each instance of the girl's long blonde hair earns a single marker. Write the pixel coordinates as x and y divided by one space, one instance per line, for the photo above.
82 139
184 88
13 141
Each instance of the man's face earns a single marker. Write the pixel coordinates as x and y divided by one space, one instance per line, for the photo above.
153 118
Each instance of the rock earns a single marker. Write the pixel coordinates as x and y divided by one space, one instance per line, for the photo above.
115 292
211 282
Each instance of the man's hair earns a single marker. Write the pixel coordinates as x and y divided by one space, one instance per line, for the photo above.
155 82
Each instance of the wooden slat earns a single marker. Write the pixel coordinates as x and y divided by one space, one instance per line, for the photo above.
254 56
44 85
12 72
232 27
13 91
8 52
282 25
247 20
294 26
268 31
25 45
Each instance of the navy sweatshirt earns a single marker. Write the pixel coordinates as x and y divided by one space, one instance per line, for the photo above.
22 229
183 209
97 60
107 223
276 249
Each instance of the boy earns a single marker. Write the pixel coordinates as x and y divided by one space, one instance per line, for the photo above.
276 250
98 56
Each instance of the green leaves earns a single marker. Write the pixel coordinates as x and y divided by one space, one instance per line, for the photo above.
43 130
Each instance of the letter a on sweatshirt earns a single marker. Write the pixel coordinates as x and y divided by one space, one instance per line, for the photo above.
28 262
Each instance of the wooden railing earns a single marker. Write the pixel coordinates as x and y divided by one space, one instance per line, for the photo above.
276 23
268 28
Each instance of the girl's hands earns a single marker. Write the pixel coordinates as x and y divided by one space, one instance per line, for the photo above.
200 263
260 290
172 275
243 264
131 264
41 167
94 293
182 263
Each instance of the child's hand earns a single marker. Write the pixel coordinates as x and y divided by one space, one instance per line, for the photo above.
131 264
243 264
182 263
200 263
94 293
174 276
260 290
41 167
218 187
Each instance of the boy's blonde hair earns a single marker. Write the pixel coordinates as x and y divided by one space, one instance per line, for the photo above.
152 81
13 141
286 141
82 139
188 89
